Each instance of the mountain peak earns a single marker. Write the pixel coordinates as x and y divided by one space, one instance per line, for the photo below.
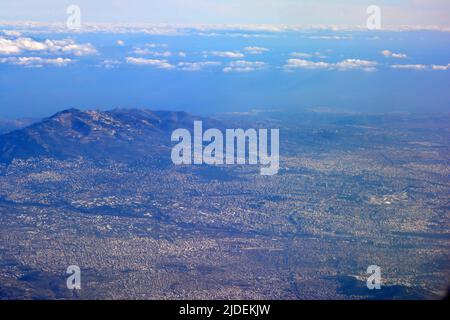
114 134
71 110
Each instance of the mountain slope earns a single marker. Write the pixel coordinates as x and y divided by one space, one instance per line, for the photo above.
118 134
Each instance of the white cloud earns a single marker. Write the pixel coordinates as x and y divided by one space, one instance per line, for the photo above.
390 54
160 64
418 67
348 64
244 66
440 67
352 64
148 52
8 47
153 53
67 46
255 50
164 64
301 55
11 33
224 54
305 64
197 66
120 43
304 55
264 30
110 63
36 62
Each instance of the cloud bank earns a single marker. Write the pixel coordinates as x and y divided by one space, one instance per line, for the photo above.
244 66
36 62
67 46
345 65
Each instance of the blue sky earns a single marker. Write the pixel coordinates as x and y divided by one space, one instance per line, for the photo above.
395 12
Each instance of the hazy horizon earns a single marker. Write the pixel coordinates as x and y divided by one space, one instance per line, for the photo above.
216 56
216 71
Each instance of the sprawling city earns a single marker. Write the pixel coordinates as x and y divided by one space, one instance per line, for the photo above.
352 191
250 152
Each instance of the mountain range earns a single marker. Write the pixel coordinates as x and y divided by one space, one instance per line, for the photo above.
122 134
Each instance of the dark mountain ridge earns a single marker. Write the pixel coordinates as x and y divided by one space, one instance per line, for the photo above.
116 134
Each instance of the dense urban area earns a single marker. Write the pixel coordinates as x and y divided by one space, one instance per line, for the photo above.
352 191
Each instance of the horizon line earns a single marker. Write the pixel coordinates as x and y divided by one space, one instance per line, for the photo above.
93 26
